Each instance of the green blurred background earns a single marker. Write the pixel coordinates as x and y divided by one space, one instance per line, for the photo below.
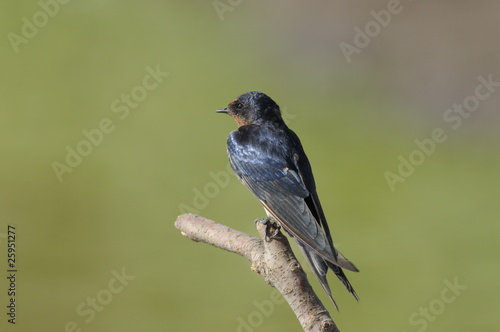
114 212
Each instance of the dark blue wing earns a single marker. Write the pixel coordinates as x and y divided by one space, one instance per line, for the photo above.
277 172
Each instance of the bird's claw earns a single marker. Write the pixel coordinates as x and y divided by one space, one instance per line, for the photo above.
272 228
263 221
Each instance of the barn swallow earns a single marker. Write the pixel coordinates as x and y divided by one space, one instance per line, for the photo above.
268 158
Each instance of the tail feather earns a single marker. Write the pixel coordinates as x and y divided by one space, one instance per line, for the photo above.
320 268
340 274
346 262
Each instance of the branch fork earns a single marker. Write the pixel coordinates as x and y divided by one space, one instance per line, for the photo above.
272 258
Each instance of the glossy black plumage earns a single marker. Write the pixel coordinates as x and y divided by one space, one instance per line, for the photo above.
269 160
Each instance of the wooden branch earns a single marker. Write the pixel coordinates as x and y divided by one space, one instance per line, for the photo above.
272 259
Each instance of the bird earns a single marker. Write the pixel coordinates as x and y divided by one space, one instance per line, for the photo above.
268 158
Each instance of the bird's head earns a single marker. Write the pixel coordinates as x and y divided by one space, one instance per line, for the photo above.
253 108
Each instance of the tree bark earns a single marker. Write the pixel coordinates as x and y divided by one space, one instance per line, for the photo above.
272 258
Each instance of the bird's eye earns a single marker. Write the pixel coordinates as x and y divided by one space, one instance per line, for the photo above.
239 106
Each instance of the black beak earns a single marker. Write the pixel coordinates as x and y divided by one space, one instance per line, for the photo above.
222 110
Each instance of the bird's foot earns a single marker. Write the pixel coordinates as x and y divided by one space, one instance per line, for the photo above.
263 221
272 227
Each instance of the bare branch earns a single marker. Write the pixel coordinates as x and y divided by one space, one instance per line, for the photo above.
273 260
